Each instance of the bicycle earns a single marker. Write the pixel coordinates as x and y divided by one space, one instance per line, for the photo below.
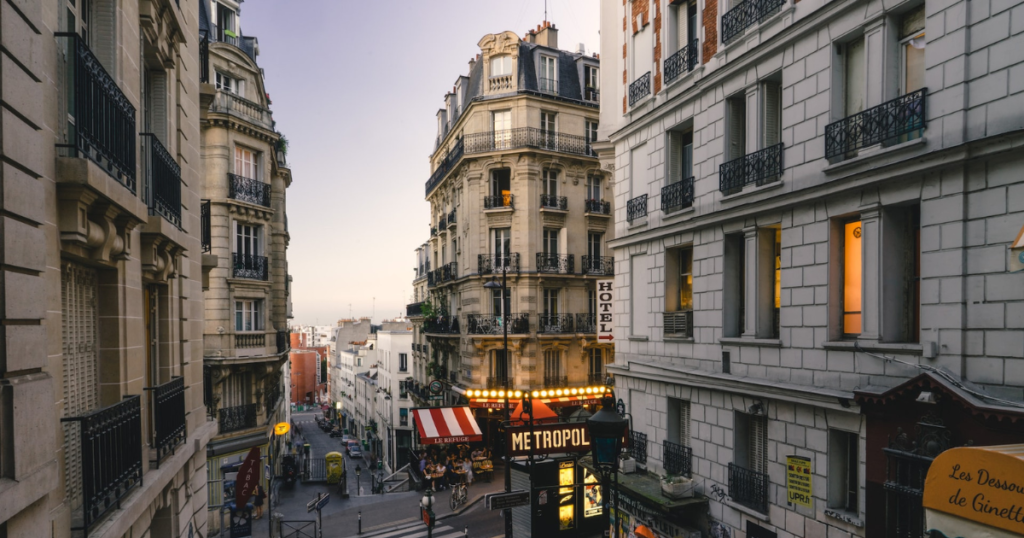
460 494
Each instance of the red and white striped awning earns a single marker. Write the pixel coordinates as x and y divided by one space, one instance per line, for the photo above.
440 425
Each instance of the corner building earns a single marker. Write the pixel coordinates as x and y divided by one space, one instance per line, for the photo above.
515 187
102 431
815 204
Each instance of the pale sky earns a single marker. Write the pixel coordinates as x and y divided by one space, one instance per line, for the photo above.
356 86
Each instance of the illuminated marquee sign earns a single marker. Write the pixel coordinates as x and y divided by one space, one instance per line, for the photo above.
549 439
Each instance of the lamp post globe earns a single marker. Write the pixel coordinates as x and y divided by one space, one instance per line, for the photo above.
428 500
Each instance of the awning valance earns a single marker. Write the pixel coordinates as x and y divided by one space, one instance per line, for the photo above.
439 425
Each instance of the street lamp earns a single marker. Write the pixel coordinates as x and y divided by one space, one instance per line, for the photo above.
606 431
503 286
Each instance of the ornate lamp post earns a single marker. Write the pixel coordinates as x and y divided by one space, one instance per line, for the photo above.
493 284
359 471
607 429
427 502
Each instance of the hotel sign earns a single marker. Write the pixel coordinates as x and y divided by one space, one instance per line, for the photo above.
605 307
549 439
980 484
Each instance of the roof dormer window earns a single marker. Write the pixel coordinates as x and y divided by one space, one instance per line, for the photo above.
501 65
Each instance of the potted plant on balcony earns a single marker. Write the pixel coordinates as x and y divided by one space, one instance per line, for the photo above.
676 487
626 463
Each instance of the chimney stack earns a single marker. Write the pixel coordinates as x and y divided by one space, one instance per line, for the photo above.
547 35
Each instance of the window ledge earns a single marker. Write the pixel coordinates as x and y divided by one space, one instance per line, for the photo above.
593 214
844 516
868 345
689 75
636 224
873 152
749 192
679 339
633 338
555 210
749 511
763 342
503 209
685 212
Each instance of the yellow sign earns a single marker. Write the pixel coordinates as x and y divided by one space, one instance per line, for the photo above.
798 481
281 428
982 484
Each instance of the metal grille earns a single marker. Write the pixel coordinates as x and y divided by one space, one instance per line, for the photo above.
298 529
498 201
204 224
677 195
749 488
636 208
487 263
747 14
248 190
599 207
638 446
169 415
761 167
678 459
163 180
81 364
598 265
492 324
586 323
555 324
556 263
550 201
679 323
640 88
237 418
883 124
683 61
251 267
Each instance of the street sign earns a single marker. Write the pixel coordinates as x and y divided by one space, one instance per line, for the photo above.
436 387
436 397
323 502
501 501
428 517
311 505
548 439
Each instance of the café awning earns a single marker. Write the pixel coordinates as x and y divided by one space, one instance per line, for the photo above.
440 425
976 492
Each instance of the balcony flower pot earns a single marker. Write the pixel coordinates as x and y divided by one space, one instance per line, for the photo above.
627 465
677 487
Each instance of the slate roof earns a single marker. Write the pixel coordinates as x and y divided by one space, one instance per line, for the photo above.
569 84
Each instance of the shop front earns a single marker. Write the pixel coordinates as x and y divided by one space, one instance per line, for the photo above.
976 492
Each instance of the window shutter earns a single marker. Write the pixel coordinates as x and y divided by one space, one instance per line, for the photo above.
758 449
684 423
855 74
772 114
737 128
80 335
675 157
157 98
103 34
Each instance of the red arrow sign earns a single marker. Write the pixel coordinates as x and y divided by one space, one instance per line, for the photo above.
606 337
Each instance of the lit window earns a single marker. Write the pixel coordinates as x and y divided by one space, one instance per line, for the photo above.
852 278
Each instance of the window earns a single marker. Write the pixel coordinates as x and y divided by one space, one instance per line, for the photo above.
228 84
591 136
403 415
843 466
854 74
643 52
501 245
683 24
94 20
912 51
592 302
771 113
248 239
680 156
638 164
594 242
403 362
496 302
550 243
501 65
851 278
548 130
553 367
246 163
154 106
639 295
501 187
733 296
751 442
592 82
226 22
594 187
548 80
550 183
595 365
550 302
501 125
249 315
499 367
736 135
901 265
679 421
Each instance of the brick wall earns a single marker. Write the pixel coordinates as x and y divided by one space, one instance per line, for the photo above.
710 29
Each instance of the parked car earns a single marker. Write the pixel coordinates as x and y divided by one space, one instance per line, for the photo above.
350 445
354 451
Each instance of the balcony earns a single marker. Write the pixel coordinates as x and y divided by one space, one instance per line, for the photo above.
499 201
640 88
636 208
442 223
561 264
243 341
591 94
489 263
204 225
596 378
493 325
245 44
597 207
102 117
678 459
677 195
430 279
108 446
450 272
163 180
225 102
555 381
169 417
498 382
441 325
886 124
451 219
414 310
550 201
598 265
233 419
500 83
250 266
747 14
248 190
555 324
683 61
638 446
761 167
586 323
548 85
678 324
284 341
749 488
433 231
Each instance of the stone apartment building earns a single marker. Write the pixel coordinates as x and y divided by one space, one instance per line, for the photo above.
245 241
814 204
394 374
101 271
515 186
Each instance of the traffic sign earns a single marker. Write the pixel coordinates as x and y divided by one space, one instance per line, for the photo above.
319 502
501 501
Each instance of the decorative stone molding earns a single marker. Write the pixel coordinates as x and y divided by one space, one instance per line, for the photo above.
93 227
249 212
159 257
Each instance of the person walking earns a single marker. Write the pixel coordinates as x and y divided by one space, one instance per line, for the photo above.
258 502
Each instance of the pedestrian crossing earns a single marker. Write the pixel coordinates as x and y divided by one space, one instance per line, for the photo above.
418 530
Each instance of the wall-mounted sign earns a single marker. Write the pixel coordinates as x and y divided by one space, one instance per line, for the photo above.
798 481
605 298
979 484
281 428
501 501
436 386
549 439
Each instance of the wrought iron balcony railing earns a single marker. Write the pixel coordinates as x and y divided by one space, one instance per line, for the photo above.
430 279
204 225
555 324
250 266
678 459
168 417
749 488
414 309
636 208
677 195
451 218
450 271
597 378
747 14
599 265
550 201
599 207
233 419
498 382
163 180
563 264
683 61
640 88
492 324
555 381
499 201
441 325
678 324
108 446
591 94
882 124
548 85
490 263
248 190
761 167
442 223
433 231
103 117
284 341
250 341
586 323
638 446
204 56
